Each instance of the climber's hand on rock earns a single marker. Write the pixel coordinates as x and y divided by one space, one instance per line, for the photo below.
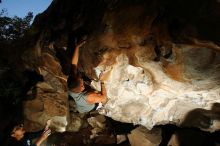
46 133
48 123
81 44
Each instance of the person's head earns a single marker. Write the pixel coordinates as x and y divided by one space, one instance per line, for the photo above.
75 84
17 131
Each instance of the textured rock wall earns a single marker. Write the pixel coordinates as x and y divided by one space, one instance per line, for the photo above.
147 95
160 64
178 85
48 98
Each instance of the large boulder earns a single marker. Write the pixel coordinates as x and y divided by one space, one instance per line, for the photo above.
161 63
48 99
144 137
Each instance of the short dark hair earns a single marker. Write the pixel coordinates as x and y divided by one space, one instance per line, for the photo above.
11 126
73 82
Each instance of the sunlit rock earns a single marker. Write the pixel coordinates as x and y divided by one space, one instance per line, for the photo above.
46 105
161 64
144 137
98 124
75 123
150 94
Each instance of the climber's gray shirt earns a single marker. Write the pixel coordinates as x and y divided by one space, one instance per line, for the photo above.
81 104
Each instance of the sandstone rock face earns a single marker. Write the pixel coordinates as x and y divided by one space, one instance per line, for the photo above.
48 98
159 66
148 94
179 86
98 124
46 105
144 137
154 81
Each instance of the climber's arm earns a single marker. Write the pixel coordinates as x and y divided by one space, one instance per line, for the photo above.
75 56
96 97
